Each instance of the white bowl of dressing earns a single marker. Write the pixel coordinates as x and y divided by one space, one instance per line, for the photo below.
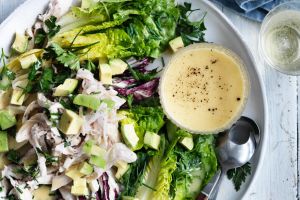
204 88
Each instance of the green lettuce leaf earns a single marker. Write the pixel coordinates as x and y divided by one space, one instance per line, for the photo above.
194 168
121 29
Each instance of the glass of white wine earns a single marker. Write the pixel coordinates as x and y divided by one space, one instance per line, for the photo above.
279 39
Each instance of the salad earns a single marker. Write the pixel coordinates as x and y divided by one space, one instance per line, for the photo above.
80 117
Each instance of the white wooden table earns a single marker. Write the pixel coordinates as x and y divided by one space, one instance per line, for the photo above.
279 177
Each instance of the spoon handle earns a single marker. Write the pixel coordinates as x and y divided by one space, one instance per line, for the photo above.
209 188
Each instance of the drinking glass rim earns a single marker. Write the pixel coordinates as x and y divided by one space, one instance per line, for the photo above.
265 22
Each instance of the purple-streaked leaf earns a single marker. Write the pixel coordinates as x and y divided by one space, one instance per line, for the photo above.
140 92
124 82
104 178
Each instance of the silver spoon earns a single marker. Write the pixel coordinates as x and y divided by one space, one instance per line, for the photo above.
235 147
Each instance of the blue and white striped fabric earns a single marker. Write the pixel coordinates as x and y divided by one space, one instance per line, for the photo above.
252 9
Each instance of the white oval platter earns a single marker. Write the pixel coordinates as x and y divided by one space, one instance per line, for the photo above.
219 30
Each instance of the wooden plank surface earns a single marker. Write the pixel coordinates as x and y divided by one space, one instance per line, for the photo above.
278 179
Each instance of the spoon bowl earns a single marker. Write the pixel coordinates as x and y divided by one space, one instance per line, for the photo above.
235 147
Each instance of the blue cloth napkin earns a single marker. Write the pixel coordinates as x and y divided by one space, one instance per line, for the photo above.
252 9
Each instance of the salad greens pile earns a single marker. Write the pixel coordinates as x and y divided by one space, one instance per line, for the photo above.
120 29
80 116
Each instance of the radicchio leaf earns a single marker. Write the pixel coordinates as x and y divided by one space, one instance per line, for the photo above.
105 194
140 92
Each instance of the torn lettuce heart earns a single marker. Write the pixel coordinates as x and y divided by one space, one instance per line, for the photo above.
120 29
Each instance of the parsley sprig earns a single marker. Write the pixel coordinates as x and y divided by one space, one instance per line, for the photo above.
62 56
41 35
6 75
191 32
239 175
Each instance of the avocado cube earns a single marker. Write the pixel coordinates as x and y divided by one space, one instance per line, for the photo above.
176 44
86 168
5 98
42 193
20 44
98 161
105 74
122 168
66 88
129 135
7 120
187 142
79 190
88 101
74 173
18 97
118 66
70 123
152 140
3 142
27 61
79 187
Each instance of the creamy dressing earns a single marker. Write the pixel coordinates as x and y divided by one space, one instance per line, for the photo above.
204 88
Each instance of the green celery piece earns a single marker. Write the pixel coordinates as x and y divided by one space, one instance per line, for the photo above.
98 161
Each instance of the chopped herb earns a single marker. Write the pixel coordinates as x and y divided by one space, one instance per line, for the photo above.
28 171
238 175
41 36
19 190
13 156
89 65
49 158
139 76
1 189
64 57
6 76
190 32
46 81
52 27
11 197
130 100
32 75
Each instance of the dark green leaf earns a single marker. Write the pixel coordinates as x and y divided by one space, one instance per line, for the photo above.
130 100
28 171
33 72
49 158
13 156
191 32
133 178
89 65
239 175
46 81
40 38
52 27
140 76
64 57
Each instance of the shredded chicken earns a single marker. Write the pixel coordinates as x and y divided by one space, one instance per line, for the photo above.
57 8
